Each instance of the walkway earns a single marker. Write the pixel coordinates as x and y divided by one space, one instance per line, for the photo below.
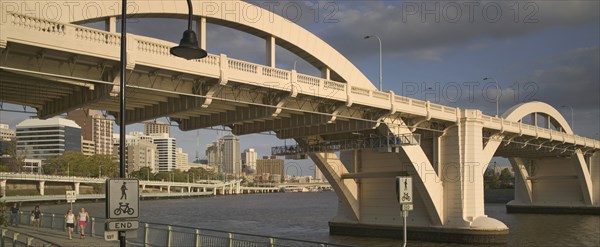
60 238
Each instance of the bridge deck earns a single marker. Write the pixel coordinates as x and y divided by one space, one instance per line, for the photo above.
59 238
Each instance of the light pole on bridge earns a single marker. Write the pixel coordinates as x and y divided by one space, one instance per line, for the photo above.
497 92
380 60
572 119
188 46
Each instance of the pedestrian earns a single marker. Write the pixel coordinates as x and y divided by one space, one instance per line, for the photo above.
37 217
70 220
83 218
14 215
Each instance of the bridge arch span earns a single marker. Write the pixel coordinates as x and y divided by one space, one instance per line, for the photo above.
522 110
258 21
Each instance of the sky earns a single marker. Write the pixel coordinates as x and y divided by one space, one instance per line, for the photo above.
535 50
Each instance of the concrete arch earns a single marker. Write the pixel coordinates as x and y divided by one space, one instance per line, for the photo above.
234 14
519 111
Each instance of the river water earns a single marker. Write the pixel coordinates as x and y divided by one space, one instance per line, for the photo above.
305 216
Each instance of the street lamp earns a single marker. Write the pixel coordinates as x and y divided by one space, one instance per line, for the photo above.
572 123
188 46
497 92
380 58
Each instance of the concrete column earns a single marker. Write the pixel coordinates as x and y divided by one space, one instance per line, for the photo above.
462 177
169 189
189 188
223 191
201 31
110 24
214 191
203 189
326 73
3 187
76 187
42 184
143 187
271 51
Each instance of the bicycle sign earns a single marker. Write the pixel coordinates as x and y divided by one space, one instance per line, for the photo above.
122 198
404 189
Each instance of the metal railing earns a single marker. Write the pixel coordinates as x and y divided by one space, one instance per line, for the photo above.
9 238
375 142
156 234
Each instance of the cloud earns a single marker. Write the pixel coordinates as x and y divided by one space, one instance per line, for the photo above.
417 28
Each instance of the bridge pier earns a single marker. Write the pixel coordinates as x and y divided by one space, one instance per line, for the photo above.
3 187
76 187
556 185
41 186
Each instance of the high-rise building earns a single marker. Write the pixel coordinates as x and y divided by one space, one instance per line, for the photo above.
6 133
141 154
318 174
166 151
181 160
155 127
249 159
95 127
270 165
42 139
6 137
87 147
231 158
213 154
140 151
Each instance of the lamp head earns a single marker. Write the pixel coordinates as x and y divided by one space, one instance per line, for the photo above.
188 47
367 37
486 78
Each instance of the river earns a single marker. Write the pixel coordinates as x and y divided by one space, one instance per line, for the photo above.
305 216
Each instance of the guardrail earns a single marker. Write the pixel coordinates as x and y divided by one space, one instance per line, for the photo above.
15 238
156 234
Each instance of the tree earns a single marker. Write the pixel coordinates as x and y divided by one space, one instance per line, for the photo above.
506 178
78 164
491 180
144 173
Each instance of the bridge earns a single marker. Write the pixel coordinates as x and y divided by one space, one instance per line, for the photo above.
53 64
160 188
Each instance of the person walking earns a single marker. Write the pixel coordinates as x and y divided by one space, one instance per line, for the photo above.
37 217
14 215
82 218
70 220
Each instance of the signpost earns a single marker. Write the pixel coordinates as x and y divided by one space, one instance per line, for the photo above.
405 198
122 206
71 197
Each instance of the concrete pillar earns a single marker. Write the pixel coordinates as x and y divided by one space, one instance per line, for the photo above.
271 51
143 187
326 73
223 191
594 163
3 187
462 177
189 188
110 24
201 31
76 187
42 184
203 189
214 191
169 189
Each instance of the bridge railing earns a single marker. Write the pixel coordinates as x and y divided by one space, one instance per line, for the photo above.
157 234
376 142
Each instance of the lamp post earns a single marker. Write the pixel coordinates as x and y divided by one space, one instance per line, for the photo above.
188 46
572 119
380 61
497 92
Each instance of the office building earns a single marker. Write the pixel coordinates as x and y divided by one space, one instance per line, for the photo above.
6 133
88 147
232 163
270 165
155 127
43 139
249 160
141 153
95 128
181 160
165 146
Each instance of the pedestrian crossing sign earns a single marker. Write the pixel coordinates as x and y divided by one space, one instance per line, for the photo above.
122 198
